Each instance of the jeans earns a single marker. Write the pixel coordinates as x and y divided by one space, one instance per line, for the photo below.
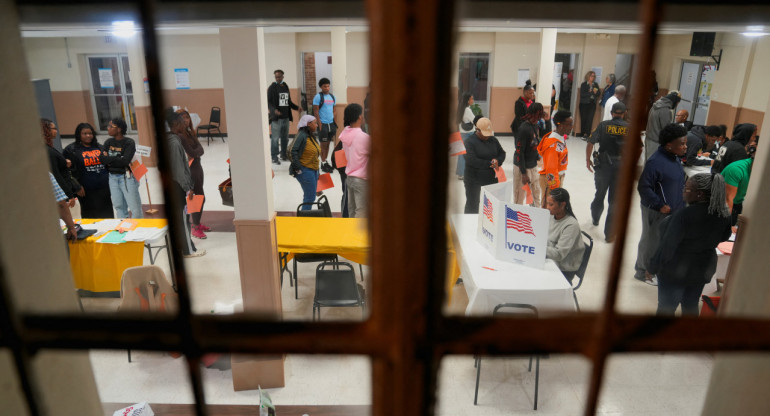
670 295
308 180
605 179
357 190
649 241
125 195
519 195
279 129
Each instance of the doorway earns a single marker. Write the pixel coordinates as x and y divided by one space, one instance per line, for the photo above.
624 73
112 95
315 65
695 92
565 65
473 77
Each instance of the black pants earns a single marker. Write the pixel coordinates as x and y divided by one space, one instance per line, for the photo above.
473 194
605 179
96 204
185 242
586 118
737 210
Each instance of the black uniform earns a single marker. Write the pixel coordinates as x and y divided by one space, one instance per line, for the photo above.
610 134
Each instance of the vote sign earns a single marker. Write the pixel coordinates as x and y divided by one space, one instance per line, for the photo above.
514 233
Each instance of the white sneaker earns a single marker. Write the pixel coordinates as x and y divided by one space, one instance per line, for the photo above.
200 253
653 281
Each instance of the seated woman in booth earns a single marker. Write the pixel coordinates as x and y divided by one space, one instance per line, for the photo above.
565 244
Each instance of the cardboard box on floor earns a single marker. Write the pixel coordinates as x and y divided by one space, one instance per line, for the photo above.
250 372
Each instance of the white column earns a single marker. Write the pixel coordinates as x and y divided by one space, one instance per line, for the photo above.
245 83
545 71
138 73
339 65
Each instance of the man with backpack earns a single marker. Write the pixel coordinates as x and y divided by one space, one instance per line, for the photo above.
325 112
280 105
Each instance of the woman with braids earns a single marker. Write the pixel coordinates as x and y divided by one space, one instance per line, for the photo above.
686 258
565 244
535 124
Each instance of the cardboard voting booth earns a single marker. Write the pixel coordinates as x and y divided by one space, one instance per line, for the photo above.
510 232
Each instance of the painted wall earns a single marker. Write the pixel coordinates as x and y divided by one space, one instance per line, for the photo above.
357 59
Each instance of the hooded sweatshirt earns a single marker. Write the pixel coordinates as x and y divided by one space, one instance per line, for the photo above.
356 144
734 149
696 141
553 150
661 115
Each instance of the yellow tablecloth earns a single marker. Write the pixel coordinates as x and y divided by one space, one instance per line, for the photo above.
347 237
98 267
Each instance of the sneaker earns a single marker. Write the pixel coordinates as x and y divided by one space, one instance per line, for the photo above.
198 253
595 222
198 233
283 157
203 227
326 167
276 161
652 282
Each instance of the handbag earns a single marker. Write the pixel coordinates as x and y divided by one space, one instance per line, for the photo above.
226 192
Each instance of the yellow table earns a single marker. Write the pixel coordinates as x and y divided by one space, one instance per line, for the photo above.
346 237
98 267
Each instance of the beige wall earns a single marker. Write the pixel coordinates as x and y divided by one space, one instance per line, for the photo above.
600 49
570 42
314 42
199 53
514 51
758 88
357 60
281 53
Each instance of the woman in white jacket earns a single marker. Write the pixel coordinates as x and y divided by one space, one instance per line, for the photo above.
465 118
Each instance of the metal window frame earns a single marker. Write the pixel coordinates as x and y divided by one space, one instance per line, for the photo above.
406 335
124 95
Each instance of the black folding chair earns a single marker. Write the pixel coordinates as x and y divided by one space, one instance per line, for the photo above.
336 287
318 210
214 120
581 271
521 308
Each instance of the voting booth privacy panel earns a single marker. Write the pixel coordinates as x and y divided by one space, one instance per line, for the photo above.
510 232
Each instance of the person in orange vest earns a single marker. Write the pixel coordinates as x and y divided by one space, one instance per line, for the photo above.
553 150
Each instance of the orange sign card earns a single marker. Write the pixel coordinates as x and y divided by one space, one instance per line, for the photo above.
340 159
194 204
126 225
138 169
530 198
456 145
500 174
324 182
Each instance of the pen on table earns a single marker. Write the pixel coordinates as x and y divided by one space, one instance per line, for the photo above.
489 268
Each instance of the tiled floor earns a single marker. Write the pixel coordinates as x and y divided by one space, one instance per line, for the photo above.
635 384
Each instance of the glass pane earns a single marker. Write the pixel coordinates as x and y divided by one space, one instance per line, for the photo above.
105 76
506 385
297 384
108 107
132 111
126 74
474 78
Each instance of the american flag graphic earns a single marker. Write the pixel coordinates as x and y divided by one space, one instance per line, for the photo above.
519 221
488 209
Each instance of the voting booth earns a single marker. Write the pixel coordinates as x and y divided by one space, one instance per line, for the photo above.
510 232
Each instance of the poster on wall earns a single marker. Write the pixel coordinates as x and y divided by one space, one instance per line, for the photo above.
105 78
598 71
182 77
523 76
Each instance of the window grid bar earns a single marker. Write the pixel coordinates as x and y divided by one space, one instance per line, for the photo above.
172 205
650 12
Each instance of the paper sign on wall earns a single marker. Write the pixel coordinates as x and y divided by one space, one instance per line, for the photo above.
182 77
105 78
598 71
523 76
143 150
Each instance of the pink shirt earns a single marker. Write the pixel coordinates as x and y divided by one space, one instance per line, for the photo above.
356 144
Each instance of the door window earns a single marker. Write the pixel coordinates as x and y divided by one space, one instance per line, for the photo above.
111 90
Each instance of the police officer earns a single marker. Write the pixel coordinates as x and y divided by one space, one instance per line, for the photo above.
610 135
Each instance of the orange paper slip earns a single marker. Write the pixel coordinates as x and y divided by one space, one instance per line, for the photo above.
194 204
324 182
456 145
126 225
500 174
340 159
528 190
726 247
138 169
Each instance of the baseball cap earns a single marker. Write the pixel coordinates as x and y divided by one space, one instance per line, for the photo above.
485 125
618 107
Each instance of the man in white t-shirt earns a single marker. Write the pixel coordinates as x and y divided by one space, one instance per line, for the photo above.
620 94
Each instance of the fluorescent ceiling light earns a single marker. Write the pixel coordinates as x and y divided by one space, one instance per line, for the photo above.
754 34
123 29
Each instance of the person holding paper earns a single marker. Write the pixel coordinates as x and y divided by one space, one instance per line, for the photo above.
525 157
686 258
483 156
356 144
305 151
553 150
86 154
194 150
180 173
565 243
660 189
118 152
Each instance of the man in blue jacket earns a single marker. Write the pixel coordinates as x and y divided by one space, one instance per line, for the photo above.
661 188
